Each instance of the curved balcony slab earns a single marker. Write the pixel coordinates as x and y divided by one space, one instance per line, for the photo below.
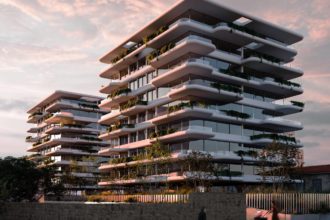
125 147
113 85
223 32
190 67
59 129
191 133
276 69
60 117
110 118
115 101
203 92
190 44
68 151
134 110
181 114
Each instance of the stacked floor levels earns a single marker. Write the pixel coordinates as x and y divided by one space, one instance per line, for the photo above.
66 137
201 77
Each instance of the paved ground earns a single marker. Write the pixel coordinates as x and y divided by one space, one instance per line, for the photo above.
251 213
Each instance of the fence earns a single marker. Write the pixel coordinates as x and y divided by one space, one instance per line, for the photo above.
290 203
155 198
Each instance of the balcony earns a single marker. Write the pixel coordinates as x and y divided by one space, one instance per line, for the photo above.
171 52
70 151
112 86
206 90
59 139
280 108
56 128
133 106
111 117
264 139
59 117
197 67
116 130
118 96
114 150
33 118
188 133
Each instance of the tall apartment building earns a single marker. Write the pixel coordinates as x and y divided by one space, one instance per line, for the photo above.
200 77
66 137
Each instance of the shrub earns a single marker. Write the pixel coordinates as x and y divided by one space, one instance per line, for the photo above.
131 200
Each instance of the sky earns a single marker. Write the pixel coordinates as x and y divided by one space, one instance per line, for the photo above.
47 45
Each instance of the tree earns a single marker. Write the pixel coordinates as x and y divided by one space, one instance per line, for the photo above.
19 179
201 169
277 162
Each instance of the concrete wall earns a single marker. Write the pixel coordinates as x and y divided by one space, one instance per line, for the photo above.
308 183
224 206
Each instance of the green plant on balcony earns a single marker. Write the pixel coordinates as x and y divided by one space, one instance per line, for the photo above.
132 103
35 113
229 88
246 30
162 133
240 153
286 82
236 114
36 143
235 73
85 105
229 173
155 34
49 116
120 160
119 126
250 153
275 137
299 104
119 92
90 138
160 51
157 150
249 53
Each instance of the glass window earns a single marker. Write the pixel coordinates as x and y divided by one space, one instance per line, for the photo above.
211 124
222 128
211 146
235 129
133 137
223 146
196 145
235 147
141 135
248 170
196 123
235 168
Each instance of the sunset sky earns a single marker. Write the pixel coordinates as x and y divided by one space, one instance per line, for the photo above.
47 45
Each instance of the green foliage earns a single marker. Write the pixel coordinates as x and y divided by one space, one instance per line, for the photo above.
236 114
155 34
132 103
299 104
229 88
275 137
131 199
119 92
19 179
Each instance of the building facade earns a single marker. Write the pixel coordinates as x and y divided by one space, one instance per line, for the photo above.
199 78
65 136
314 178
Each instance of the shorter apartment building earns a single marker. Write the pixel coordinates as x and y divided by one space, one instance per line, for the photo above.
65 136
315 178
